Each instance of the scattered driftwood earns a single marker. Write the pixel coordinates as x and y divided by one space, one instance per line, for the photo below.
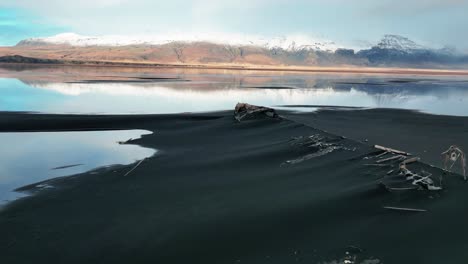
395 151
247 111
417 181
454 154
404 209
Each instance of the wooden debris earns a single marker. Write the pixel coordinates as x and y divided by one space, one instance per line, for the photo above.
455 154
382 154
390 159
243 111
378 165
328 149
404 209
138 164
396 189
410 160
391 150
424 182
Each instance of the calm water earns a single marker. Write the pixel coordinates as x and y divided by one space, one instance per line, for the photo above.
37 156
118 91
99 91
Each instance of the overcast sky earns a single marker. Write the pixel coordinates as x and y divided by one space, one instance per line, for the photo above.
348 22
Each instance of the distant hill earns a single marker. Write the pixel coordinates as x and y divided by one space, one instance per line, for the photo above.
392 50
395 50
21 59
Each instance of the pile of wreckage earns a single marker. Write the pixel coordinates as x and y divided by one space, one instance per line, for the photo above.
454 154
245 111
401 178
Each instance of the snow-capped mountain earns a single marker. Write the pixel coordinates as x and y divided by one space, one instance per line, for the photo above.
232 49
290 43
398 43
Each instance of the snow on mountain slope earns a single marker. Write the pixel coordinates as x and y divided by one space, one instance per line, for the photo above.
290 43
398 43
391 50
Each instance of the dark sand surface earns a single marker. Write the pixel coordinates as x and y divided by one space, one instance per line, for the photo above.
219 191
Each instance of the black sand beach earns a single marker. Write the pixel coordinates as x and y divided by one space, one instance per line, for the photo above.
219 191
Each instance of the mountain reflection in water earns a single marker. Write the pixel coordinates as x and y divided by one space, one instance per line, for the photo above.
160 91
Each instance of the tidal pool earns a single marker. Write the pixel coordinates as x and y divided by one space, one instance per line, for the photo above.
31 157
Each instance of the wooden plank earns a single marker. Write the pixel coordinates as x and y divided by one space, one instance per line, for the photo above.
391 150
382 154
138 164
404 209
411 160
378 165
390 159
402 188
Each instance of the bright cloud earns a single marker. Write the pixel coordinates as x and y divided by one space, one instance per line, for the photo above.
432 21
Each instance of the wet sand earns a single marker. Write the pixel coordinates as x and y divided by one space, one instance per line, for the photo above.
219 191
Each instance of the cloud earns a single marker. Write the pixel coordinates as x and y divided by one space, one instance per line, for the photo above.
144 15
415 8
341 20
96 17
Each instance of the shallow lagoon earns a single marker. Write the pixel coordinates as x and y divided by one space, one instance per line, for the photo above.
31 157
90 91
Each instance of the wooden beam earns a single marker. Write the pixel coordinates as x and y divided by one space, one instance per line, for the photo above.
391 150
404 209
410 160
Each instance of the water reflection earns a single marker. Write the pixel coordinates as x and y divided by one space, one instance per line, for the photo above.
164 91
38 156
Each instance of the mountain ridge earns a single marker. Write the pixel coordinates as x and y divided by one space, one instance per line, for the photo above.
391 51
290 43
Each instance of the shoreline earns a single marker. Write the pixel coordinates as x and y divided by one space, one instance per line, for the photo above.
345 70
